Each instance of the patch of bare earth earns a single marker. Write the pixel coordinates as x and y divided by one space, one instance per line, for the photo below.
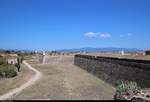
62 80
6 84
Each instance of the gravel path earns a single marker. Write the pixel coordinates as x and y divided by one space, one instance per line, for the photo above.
22 87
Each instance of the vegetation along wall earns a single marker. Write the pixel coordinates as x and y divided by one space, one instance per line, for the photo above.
113 70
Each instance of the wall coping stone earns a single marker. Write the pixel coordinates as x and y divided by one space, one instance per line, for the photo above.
122 61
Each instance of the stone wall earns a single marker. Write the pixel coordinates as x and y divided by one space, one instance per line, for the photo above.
113 70
147 52
40 58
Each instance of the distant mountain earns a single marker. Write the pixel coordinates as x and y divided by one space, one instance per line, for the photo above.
107 49
16 50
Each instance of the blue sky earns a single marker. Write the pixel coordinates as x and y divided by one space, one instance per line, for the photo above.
60 24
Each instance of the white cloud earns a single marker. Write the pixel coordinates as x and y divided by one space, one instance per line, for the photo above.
90 34
96 34
126 35
105 35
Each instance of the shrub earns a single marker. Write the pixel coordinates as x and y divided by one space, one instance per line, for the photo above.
127 86
7 71
2 61
20 59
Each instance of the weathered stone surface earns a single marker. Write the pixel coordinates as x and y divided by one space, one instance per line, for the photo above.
116 69
139 96
147 52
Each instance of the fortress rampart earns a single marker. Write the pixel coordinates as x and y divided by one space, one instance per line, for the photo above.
112 69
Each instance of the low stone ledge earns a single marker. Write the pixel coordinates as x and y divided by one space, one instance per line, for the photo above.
140 96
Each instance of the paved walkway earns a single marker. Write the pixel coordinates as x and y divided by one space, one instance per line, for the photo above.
15 91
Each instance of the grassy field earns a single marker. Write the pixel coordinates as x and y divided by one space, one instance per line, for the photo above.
63 81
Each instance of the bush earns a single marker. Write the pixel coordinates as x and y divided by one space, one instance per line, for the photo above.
7 71
2 61
20 59
127 86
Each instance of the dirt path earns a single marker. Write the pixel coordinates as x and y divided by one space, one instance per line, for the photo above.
22 87
62 80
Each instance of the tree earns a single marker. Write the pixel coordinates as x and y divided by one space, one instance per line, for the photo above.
18 64
7 51
22 59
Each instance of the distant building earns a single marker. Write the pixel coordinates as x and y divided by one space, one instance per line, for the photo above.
36 52
122 52
43 53
147 52
11 61
11 58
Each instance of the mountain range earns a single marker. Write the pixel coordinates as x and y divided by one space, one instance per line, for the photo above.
107 49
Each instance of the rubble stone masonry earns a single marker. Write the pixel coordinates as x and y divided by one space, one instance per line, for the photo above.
112 70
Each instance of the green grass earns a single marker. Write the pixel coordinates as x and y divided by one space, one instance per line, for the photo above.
7 71
2 61
127 86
